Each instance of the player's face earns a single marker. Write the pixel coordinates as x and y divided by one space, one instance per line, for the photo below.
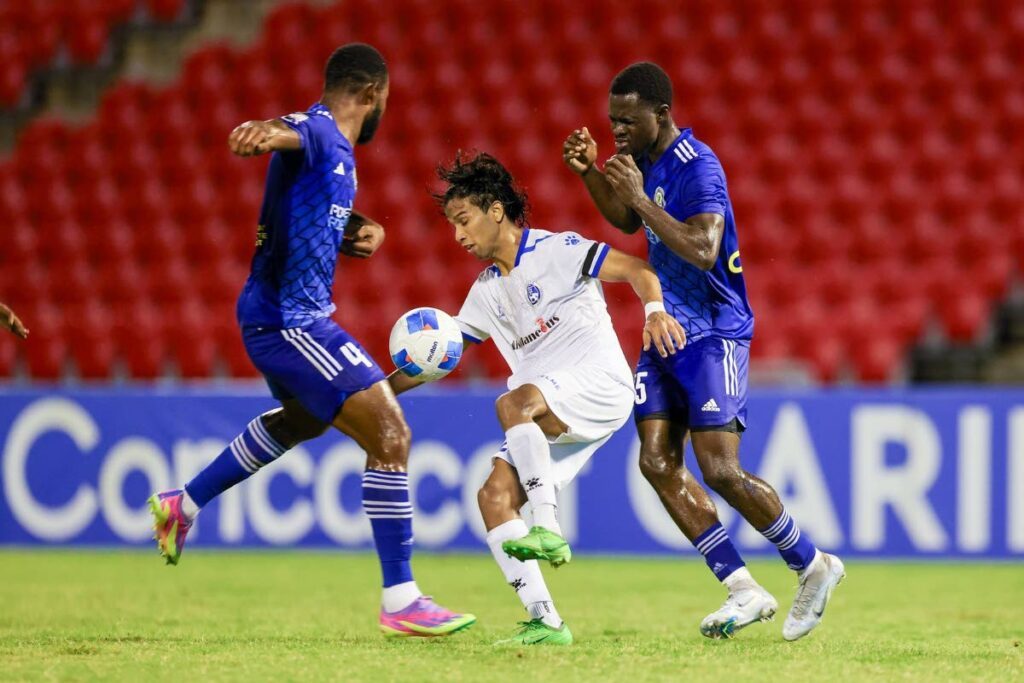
634 124
476 230
372 122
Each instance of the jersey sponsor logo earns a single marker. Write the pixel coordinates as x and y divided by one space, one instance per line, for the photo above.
659 197
338 217
734 262
533 293
297 117
710 407
543 326
340 168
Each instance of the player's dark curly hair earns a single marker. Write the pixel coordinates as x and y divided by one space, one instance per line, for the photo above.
648 80
352 66
483 180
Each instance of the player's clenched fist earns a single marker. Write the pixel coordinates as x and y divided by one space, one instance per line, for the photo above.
626 180
259 137
665 332
580 151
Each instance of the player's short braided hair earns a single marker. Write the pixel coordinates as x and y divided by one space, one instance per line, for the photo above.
483 180
648 80
354 65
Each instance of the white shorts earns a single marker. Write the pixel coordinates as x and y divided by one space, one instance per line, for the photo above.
593 403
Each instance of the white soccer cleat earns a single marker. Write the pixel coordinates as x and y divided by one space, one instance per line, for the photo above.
744 606
816 585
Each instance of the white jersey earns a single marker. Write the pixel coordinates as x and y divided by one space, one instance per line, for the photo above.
549 312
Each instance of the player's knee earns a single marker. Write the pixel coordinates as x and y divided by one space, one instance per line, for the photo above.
290 429
492 498
723 480
656 463
514 407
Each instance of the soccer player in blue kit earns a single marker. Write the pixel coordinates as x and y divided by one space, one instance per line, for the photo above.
670 183
319 373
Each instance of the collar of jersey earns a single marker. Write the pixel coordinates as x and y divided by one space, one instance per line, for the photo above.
522 246
683 134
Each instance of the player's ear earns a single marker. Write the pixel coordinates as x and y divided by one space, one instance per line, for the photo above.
662 113
497 211
370 93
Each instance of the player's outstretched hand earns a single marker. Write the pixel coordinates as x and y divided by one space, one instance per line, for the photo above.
251 138
580 151
364 241
665 332
626 180
9 321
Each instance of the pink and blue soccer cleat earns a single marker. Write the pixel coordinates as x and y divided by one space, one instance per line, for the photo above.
170 525
423 618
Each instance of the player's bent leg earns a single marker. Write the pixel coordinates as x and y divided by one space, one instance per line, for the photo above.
661 462
500 499
528 421
265 439
373 418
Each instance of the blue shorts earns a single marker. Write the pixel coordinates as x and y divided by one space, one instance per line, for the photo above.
320 364
704 386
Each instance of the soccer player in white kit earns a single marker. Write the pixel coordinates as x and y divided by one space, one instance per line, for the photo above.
571 387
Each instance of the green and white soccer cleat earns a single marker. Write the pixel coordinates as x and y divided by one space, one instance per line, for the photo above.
539 544
745 606
536 632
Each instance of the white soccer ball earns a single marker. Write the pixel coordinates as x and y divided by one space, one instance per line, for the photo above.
426 343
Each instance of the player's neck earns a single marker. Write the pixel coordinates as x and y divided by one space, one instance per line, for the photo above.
347 117
666 136
508 246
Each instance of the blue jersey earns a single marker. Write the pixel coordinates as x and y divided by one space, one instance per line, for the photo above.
687 180
307 203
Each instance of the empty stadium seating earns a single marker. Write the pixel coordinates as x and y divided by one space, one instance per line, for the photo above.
873 150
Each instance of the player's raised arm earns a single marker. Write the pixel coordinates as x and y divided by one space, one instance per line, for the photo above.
253 138
580 154
697 239
660 328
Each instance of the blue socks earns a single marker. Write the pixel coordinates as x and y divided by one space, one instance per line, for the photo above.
386 502
250 450
795 548
718 551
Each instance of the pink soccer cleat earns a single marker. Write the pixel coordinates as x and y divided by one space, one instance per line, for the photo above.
423 618
170 526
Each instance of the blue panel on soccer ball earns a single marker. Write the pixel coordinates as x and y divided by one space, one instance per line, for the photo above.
452 356
404 363
422 320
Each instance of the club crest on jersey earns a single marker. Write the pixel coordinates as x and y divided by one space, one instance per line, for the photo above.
533 293
659 197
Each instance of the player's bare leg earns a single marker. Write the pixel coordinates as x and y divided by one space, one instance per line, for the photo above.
374 419
528 422
500 499
662 445
718 456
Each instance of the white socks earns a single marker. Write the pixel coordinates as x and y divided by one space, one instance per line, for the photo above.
524 577
531 456
400 596
188 506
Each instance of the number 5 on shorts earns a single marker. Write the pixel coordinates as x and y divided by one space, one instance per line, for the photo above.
641 389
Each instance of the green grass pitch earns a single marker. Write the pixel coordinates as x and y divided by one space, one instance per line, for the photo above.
83 615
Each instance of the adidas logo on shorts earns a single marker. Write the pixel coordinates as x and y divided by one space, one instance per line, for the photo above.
710 407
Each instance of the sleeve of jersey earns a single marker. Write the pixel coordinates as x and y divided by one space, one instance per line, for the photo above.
701 189
592 262
308 128
472 320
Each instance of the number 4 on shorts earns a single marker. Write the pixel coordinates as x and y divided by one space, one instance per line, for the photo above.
355 356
